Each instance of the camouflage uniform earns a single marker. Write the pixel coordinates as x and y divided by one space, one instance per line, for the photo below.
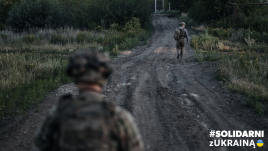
180 42
87 122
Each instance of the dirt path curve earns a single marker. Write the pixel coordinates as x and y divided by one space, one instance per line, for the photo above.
175 103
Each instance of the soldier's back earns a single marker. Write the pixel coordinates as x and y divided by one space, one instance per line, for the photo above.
88 122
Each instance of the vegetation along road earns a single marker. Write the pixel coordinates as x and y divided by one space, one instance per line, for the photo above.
175 102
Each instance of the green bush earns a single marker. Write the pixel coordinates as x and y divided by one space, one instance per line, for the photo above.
3 37
99 28
2 26
210 55
81 37
35 14
5 6
143 36
58 39
28 38
220 32
205 41
115 27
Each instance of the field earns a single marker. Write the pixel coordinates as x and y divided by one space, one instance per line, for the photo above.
243 62
33 63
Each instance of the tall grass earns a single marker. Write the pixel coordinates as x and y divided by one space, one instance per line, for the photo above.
245 72
27 77
33 63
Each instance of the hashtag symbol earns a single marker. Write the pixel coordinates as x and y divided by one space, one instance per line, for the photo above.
212 133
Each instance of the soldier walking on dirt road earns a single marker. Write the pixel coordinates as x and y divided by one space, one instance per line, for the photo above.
88 122
180 34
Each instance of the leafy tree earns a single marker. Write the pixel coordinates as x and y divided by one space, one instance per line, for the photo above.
5 6
207 10
34 13
181 5
83 14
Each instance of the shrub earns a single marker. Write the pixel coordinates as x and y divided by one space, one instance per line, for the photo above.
81 37
115 50
2 26
133 24
220 32
3 37
195 42
99 28
143 36
28 38
115 27
131 33
206 37
58 39
199 55
204 41
34 14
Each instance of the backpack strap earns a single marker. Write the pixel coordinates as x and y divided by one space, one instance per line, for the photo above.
182 33
110 107
64 101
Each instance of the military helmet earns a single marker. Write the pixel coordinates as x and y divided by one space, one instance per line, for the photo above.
90 66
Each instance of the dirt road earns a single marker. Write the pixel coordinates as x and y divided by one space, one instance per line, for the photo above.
175 102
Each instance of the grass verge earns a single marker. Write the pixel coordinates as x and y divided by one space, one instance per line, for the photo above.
32 64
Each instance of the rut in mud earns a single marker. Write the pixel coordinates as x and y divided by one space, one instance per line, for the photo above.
175 102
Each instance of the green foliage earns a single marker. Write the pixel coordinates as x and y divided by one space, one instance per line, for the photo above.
115 26
35 62
82 14
204 41
182 5
120 11
2 26
3 37
27 79
81 37
92 13
58 39
247 72
132 24
5 6
34 13
28 38
210 55
220 32
99 28
219 9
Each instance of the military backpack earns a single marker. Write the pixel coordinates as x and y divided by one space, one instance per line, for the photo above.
85 125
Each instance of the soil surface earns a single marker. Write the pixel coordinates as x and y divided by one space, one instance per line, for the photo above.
175 102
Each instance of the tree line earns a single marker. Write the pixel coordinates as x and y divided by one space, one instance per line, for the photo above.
23 15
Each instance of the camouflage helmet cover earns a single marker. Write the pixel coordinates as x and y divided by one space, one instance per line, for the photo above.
89 66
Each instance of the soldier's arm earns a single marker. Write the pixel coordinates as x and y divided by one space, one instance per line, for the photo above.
128 133
44 136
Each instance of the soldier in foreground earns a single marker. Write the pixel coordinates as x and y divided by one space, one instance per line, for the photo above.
88 122
179 36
